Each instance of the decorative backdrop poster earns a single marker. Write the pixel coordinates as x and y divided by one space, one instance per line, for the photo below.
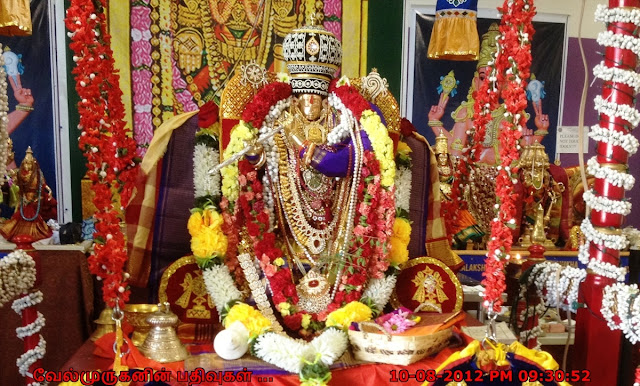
33 74
547 55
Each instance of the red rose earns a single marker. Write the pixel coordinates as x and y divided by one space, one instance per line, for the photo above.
263 217
406 127
352 297
253 229
293 322
245 167
290 290
356 280
208 115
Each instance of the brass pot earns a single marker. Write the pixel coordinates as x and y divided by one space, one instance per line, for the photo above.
136 315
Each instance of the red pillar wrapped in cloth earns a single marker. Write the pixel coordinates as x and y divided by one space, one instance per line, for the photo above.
597 347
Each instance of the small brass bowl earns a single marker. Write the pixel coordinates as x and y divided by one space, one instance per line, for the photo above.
104 324
136 315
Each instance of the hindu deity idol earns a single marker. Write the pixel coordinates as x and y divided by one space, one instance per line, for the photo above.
313 201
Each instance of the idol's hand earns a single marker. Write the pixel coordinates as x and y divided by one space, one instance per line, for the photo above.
541 120
437 112
22 95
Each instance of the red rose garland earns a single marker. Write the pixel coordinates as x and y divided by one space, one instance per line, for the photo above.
107 146
512 69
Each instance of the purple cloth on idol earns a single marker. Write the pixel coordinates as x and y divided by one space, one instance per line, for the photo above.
337 161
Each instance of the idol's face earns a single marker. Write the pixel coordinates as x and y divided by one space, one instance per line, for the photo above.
310 105
483 73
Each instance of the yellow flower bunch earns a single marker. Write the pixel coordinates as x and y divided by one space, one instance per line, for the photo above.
285 308
382 146
399 241
352 312
252 319
399 253
402 229
240 134
306 320
207 238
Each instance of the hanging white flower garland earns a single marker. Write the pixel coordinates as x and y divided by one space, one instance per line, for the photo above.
604 204
613 109
557 285
617 15
622 301
205 158
17 275
220 286
4 120
379 290
403 183
612 176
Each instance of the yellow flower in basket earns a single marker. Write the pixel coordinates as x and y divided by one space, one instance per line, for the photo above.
402 230
352 312
209 242
252 319
399 253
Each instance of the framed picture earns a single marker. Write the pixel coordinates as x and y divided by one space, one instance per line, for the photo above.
36 72
422 76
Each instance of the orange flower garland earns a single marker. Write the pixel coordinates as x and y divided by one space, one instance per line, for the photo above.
107 145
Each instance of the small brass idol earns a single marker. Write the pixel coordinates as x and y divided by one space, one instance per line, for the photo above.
162 343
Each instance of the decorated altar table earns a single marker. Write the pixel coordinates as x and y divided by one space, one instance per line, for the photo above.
346 371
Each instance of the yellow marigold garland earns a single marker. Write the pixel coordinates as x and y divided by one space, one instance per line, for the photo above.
382 146
241 134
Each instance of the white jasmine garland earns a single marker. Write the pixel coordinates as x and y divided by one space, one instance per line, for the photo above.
618 242
4 120
31 328
605 269
627 141
617 75
613 109
205 158
625 42
17 275
379 290
633 235
622 301
604 204
608 15
220 286
612 176
30 357
290 354
26 301
403 182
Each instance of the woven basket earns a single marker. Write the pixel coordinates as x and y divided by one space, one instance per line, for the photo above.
370 345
